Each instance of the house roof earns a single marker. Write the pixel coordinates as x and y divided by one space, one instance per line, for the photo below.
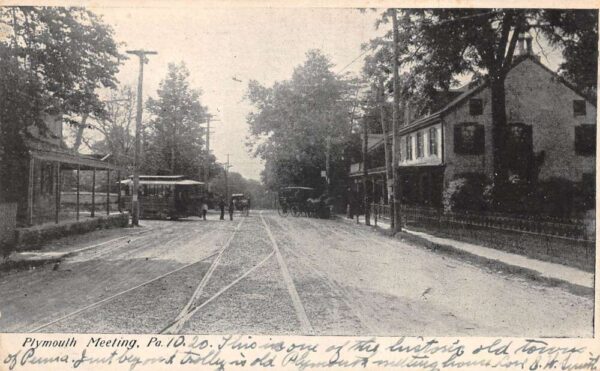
423 121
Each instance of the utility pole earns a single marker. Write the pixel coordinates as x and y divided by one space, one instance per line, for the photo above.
227 180
206 170
395 145
328 163
386 148
135 210
365 160
206 164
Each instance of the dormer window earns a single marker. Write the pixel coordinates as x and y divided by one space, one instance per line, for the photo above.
579 107
475 107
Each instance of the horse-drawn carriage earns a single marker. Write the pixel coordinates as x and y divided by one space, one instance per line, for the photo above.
303 201
241 203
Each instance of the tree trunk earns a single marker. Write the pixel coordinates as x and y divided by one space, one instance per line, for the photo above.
79 137
173 159
499 124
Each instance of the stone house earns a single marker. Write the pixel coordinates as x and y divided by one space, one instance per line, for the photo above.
551 134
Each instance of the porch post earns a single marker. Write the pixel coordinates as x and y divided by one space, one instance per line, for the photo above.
373 186
77 196
93 192
119 190
30 192
107 191
383 190
57 193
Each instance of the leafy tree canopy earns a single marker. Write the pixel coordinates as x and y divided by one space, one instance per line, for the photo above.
175 142
294 120
70 50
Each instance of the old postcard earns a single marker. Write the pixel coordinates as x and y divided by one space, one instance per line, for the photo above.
254 185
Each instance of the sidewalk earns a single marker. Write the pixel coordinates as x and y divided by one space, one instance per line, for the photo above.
53 253
550 272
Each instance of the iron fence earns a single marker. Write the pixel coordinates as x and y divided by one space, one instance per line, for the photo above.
563 240
563 228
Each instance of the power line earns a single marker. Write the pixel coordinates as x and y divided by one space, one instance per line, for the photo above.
354 60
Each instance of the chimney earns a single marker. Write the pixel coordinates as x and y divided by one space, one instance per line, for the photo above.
521 44
407 117
529 40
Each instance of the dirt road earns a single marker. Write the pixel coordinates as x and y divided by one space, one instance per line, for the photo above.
265 274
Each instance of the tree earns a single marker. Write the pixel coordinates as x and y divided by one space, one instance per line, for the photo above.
175 142
251 188
53 60
301 125
438 45
117 127
576 31
70 50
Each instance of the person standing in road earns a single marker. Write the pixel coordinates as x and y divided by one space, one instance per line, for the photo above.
204 209
231 209
222 207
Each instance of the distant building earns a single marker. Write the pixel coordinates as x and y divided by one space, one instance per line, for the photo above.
551 126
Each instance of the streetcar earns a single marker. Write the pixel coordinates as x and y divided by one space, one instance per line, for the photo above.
165 196
241 203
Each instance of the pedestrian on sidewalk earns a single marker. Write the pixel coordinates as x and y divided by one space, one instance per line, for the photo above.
231 209
222 207
204 209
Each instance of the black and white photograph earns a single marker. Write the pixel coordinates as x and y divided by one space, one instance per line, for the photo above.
296 171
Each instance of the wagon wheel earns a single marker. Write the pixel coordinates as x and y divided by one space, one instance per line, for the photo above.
282 210
295 210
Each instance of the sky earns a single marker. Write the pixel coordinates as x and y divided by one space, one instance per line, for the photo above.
218 45
224 48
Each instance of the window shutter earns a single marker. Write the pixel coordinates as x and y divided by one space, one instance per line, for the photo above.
579 107
458 146
479 145
585 140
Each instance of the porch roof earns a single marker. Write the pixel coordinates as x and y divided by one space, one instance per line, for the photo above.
41 150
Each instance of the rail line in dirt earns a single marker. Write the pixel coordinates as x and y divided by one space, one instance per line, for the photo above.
307 328
105 300
189 310
181 318
120 244
335 287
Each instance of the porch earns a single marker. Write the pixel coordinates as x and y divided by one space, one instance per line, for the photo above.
64 186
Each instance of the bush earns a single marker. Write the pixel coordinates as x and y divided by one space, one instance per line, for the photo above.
555 196
467 192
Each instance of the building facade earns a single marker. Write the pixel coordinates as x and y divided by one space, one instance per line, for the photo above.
551 134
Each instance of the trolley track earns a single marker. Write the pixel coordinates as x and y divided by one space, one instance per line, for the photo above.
345 296
122 242
190 309
112 297
183 315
